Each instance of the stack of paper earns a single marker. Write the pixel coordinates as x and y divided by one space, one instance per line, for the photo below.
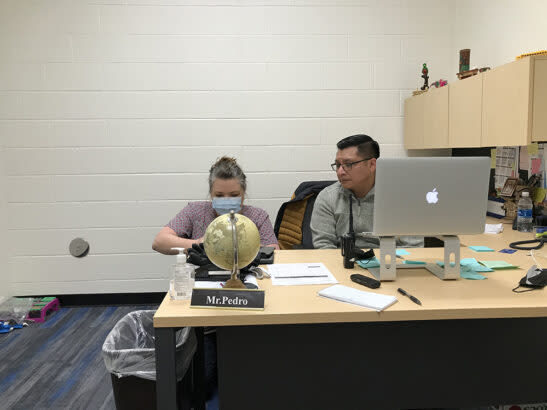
300 274
370 300
493 228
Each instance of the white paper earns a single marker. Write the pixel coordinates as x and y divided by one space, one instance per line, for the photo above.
370 300
300 274
493 228
251 279
206 284
209 284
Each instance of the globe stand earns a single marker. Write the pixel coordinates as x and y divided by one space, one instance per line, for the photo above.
217 244
234 282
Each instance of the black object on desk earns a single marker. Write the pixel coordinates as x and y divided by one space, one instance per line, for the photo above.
412 298
347 245
365 281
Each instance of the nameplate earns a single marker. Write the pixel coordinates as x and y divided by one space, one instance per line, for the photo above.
248 299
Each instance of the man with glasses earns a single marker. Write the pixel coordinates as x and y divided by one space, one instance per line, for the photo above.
355 167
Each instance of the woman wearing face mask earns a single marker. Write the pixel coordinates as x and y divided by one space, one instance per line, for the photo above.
227 185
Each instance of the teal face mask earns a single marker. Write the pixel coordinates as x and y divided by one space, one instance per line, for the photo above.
223 205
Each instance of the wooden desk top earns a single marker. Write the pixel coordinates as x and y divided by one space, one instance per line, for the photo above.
456 299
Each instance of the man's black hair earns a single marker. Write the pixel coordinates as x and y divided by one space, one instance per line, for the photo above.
366 146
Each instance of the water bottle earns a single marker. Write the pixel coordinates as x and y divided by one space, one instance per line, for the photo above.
524 214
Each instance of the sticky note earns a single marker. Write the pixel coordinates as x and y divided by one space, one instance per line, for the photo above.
471 275
474 265
401 252
493 158
498 265
533 148
536 165
539 194
466 271
414 262
481 248
441 264
369 263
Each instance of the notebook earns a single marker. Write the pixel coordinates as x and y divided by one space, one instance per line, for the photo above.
431 196
369 300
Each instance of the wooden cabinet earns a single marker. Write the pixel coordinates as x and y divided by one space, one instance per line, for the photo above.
465 113
436 118
506 117
414 122
539 113
502 106
426 120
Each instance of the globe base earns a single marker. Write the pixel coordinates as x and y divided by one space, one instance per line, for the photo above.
234 283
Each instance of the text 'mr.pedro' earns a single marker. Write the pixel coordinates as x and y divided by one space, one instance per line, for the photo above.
225 300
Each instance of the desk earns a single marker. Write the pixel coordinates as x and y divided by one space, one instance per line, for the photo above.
471 343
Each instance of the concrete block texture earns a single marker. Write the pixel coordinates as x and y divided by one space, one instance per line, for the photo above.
112 112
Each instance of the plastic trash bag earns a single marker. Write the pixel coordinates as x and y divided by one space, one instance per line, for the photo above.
15 309
129 348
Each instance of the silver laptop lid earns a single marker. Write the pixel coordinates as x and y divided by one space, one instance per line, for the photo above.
431 196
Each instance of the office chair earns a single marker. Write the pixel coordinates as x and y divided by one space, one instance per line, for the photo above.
292 224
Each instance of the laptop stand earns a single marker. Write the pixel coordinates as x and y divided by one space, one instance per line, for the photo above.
388 268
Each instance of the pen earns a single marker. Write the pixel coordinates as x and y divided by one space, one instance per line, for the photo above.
412 298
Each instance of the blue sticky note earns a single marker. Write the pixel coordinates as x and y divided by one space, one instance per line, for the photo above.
481 248
467 274
369 263
477 267
441 264
508 250
401 252
469 265
414 262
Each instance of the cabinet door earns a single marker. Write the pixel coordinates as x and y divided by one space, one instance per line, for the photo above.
506 105
436 118
539 122
465 112
414 122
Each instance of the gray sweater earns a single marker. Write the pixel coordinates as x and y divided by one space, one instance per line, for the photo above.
330 219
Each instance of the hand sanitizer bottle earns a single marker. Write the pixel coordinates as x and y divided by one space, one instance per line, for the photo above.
183 277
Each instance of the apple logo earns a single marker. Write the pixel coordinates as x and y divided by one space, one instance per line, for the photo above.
432 197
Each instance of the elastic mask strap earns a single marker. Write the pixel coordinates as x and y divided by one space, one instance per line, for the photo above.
522 291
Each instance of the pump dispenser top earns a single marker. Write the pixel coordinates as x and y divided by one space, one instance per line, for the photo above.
181 256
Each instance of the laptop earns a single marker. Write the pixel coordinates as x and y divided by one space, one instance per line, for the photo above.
431 196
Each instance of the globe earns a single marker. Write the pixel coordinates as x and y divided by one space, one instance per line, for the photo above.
219 245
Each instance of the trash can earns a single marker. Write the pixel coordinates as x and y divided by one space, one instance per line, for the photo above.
130 357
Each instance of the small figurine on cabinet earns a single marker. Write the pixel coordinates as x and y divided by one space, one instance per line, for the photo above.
439 83
425 76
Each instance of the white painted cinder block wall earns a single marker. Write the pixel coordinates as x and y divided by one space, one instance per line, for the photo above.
5 282
112 112
497 31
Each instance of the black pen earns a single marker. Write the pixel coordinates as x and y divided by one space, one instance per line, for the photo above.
412 298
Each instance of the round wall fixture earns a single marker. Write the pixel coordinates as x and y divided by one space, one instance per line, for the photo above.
78 247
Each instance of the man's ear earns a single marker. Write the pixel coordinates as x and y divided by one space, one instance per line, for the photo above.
373 164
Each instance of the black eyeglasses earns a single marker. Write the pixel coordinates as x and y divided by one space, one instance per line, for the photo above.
348 166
